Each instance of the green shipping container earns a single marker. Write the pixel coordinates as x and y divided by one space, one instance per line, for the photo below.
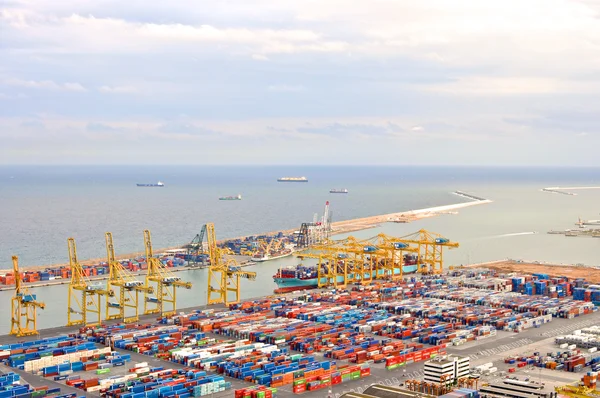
355 375
102 371
260 394
299 381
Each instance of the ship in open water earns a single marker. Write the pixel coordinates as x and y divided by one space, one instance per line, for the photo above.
292 179
236 197
303 277
338 190
158 184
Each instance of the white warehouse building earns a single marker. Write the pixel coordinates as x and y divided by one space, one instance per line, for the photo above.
446 367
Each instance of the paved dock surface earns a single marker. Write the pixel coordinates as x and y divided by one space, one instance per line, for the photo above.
493 349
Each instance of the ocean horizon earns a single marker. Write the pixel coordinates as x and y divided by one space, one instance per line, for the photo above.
42 206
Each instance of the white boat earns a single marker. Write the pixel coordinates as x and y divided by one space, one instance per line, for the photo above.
158 184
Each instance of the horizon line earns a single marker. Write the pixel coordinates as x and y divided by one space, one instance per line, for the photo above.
293 165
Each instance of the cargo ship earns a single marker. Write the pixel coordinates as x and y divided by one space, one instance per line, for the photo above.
262 256
236 197
303 277
292 179
158 184
338 191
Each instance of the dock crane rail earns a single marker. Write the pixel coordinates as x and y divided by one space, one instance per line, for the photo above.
24 307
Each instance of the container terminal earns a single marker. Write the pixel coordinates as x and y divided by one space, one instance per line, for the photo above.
366 323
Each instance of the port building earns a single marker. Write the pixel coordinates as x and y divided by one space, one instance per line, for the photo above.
446 369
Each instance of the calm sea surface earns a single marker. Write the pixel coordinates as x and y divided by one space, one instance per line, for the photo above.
40 207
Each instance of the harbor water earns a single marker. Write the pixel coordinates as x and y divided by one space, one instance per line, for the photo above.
41 207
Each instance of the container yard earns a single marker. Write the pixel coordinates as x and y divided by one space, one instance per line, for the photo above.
322 339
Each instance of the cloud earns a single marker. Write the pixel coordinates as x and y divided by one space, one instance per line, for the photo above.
117 89
100 127
342 130
186 128
468 79
4 96
74 87
286 88
44 84
260 57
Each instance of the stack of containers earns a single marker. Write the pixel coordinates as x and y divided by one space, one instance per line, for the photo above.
256 392
143 381
323 379
461 393
393 362
36 354
590 379
9 387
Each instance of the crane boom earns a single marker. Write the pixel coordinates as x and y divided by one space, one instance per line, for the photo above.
162 282
24 307
224 275
128 288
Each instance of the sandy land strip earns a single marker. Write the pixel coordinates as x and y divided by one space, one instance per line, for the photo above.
590 274
338 227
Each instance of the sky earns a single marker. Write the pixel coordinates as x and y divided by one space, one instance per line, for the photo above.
377 82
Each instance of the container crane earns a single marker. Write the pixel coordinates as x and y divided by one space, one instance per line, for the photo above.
359 261
162 281
224 275
577 391
430 251
195 249
84 297
24 306
128 287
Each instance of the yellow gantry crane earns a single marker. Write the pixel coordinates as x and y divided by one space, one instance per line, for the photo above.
430 247
85 297
160 280
382 257
128 288
224 275
577 391
24 307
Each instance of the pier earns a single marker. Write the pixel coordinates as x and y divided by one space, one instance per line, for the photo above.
469 196
557 190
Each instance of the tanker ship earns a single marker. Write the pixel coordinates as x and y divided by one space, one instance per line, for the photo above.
303 277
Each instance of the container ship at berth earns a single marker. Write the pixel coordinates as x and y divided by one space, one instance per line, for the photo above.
236 197
292 179
303 277
158 184
338 191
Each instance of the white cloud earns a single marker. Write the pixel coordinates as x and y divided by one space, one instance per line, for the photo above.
44 84
417 128
117 89
286 88
74 87
260 57
502 86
